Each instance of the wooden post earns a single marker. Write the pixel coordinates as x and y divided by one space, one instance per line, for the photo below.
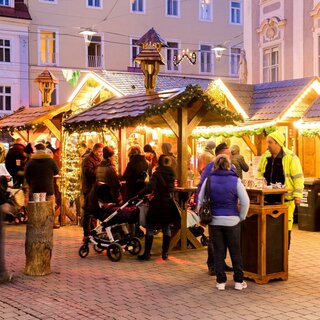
39 238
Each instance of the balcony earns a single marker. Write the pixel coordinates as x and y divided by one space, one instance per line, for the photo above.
94 61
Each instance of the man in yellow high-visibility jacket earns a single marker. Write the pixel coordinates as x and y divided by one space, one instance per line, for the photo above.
279 164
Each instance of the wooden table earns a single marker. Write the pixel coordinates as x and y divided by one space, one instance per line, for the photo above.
182 195
264 237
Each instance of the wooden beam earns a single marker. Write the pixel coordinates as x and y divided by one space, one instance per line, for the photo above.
182 169
198 117
167 117
49 124
252 147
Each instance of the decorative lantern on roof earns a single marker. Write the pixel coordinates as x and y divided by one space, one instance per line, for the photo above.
46 82
152 38
150 60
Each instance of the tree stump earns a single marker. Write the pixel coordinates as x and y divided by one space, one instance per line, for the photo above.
39 238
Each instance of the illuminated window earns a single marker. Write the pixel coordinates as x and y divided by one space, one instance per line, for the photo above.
271 64
235 12
205 58
172 8
47 47
5 98
234 61
95 53
205 10
138 6
172 51
5 50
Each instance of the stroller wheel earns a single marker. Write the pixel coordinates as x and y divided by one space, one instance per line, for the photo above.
204 240
97 249
134 246
84 251
114 252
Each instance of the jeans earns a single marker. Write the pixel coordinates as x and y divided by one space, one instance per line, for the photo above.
210 260
227 237
166 230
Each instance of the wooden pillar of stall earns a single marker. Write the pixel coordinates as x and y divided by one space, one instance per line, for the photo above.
182 170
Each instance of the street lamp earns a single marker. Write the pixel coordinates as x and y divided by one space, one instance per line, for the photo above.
218 51
87 34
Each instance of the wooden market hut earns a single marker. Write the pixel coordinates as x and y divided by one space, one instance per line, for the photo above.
288 105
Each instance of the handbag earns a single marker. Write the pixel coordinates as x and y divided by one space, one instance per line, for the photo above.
205 214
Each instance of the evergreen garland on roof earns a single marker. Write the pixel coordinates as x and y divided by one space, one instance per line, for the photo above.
191 93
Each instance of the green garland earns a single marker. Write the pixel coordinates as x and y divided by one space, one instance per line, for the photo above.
26 127
310 133
237 134
190 94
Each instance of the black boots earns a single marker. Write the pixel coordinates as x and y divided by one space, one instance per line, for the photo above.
165 247
147 249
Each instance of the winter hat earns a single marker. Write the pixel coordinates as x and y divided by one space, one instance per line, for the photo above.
40 146
210 145
278 137
147 148
235 149
166 148
107 152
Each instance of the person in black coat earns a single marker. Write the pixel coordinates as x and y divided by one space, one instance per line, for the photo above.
135 173
160 214
15 162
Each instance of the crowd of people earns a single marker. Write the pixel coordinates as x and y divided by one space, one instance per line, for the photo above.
148 174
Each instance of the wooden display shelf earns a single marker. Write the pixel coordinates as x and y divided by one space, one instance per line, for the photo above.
264 237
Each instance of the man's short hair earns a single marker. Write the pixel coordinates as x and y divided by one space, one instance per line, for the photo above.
40 146
97 146
220 147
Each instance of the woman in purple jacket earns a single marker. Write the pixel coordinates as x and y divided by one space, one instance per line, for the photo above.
225 191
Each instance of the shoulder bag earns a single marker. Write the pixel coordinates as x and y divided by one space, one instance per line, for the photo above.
205 214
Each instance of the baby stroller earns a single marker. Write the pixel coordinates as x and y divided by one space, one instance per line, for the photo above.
16 198
112 235
193 223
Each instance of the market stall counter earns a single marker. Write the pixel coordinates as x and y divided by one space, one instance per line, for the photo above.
183 235
264 237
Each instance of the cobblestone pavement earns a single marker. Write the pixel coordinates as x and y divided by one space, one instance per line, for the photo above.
96 288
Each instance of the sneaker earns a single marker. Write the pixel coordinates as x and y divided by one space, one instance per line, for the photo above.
240 285
221 286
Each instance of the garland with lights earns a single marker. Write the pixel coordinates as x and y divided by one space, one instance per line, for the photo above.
190 94
209 132
310 133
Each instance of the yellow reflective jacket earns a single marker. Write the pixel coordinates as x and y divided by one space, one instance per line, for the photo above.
293 175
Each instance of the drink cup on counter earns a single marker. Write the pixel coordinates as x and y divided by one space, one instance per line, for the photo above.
36 197
190 183
43 197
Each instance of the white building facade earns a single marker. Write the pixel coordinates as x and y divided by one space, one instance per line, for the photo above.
197 25
281 39
14 58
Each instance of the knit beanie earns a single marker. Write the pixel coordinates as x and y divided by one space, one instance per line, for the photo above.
278 137
107 152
